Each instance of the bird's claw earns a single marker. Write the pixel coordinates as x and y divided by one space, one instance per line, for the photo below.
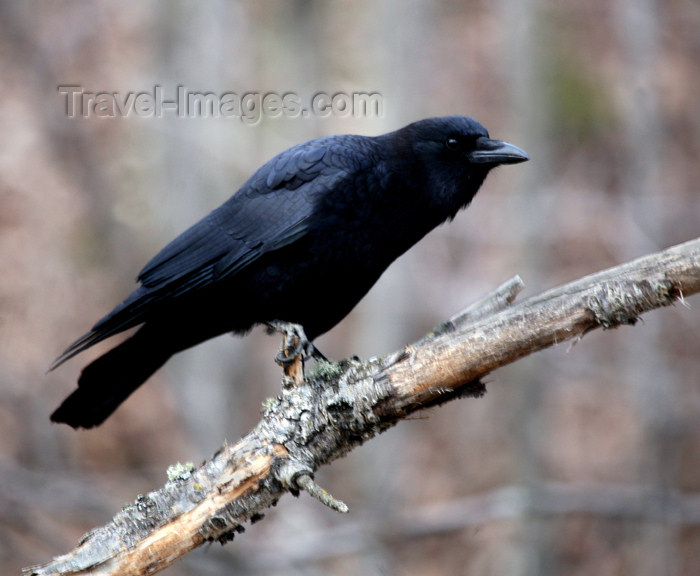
295 345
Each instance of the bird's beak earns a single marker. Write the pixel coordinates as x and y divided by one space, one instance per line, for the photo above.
497 152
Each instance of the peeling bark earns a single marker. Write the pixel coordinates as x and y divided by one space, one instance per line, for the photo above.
337 407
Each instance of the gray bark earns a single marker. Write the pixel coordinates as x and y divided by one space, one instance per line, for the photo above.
337 407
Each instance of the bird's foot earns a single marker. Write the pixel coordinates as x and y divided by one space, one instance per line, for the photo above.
295 343
296 348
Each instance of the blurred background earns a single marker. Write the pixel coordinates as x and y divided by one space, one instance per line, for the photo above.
581 459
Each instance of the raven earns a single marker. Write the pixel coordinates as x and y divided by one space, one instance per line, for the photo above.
302 241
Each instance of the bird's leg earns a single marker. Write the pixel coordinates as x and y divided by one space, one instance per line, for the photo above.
296 348
295 342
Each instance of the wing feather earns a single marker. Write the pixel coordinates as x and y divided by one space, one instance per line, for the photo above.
273 209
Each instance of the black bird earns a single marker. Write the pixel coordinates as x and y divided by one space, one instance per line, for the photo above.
302 241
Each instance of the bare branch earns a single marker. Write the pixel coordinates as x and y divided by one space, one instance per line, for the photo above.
339 406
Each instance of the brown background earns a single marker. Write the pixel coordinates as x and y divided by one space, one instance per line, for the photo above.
580 460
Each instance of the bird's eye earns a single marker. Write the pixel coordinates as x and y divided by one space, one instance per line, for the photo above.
452 144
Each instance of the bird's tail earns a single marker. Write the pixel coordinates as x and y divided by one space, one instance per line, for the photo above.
108 381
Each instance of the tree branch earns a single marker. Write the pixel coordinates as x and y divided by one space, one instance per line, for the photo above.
338 406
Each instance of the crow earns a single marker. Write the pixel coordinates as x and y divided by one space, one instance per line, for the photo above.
302 241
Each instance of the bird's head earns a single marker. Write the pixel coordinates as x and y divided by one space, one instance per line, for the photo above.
453 155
